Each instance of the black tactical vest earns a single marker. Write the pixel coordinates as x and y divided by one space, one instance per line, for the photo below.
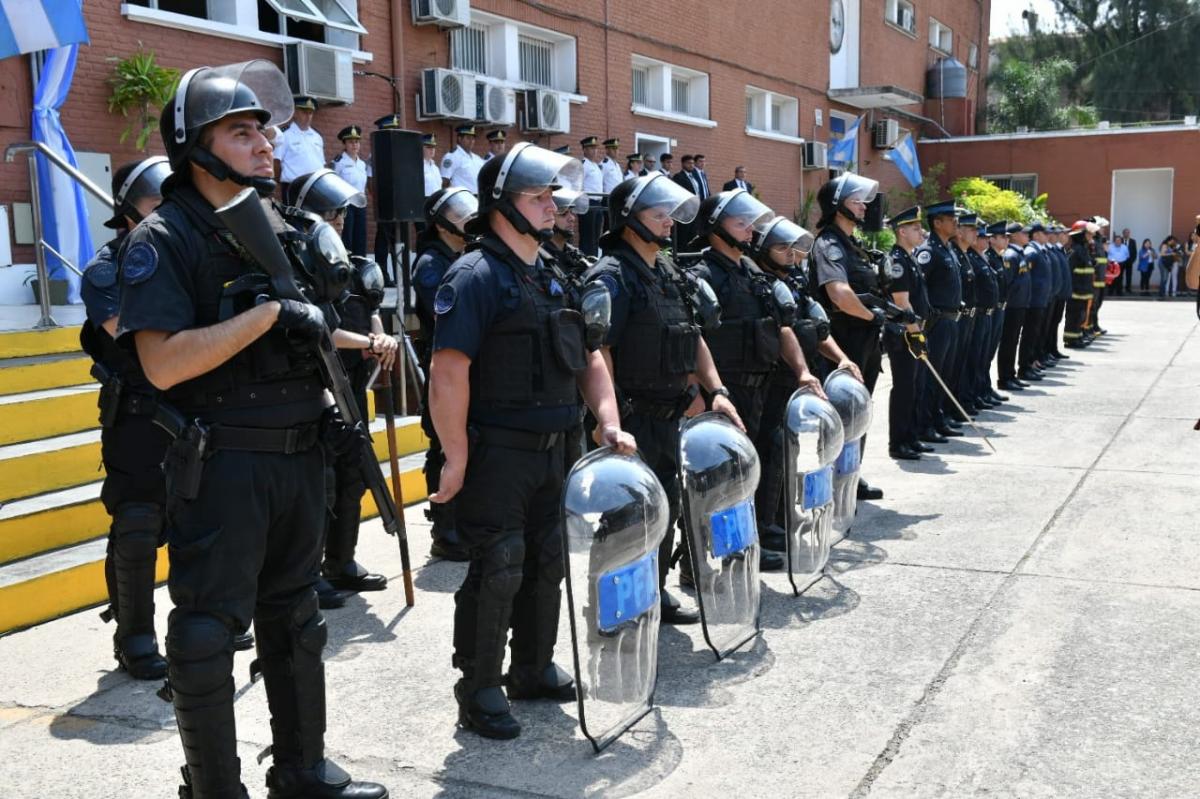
748 338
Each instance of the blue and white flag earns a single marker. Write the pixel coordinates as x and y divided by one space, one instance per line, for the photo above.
27 26
844 151
904 156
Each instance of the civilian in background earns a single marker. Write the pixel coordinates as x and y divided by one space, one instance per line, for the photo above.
1118 254
1127 266
703 175
1146 259
649 164
1170 254
739 181
666 164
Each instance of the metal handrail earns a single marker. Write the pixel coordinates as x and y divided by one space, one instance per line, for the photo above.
31 149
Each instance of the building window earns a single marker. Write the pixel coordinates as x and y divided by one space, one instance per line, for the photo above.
666 88
537 59
189 8
767 112
468 49
335 14
973 55
901 14
514 53
941 38
1025 185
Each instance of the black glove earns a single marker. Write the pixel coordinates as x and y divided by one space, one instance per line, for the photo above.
917 346
879 316
908 317
302 318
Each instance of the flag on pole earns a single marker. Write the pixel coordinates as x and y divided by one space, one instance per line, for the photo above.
844 151
904 156
27 26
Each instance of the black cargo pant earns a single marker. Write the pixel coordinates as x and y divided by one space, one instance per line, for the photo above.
345 516
902 403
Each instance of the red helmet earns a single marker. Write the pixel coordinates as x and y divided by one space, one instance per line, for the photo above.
1078 228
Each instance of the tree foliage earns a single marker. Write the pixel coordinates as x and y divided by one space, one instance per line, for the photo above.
1029 95
140 87
995 204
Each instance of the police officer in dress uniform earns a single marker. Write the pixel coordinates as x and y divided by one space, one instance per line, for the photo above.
353 169
447 212
591 222
300 150
1040 285
654 346
943 286
510 360
957 378
1082 274
841 271
904 346
497 144
131 445
610 167
460 167
1062 294
245 477
997 234
1019 288
986 304
1044 344
361 342
429 169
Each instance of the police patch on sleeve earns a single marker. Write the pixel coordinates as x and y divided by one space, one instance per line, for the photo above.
447 162
102 272
895 269
140 262
924 257
444 300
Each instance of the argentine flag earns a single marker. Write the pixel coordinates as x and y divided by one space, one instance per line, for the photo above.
904 156
27 26
844 151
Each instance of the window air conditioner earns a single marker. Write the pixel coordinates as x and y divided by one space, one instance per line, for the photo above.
495 104
547 111
885 134
816 155
443 13
320 71
446 93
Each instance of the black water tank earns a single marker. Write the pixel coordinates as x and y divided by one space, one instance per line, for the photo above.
945 79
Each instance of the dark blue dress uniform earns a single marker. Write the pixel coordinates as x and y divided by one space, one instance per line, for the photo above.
1041 284
986 303
1003 274
1014 313
500 312
902 403
966 325
132 448
1060 298
943 285
246 493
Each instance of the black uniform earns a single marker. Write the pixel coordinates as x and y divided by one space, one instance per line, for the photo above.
1041 284
1020 288
1002 271
572 265
835 257
526 347
943 285
986 304
902 403
246 497
1058 302
959 373
131 447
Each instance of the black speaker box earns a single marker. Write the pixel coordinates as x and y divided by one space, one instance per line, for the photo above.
876 212
397 164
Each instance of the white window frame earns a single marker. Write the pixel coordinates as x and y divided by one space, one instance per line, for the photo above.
1016 176
941 37
660 79
236 20
758 124
503 37
893 17
972 56
847 121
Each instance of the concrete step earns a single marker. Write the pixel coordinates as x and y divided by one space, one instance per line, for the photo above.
25 343
34 415
54 488
68 579
40 372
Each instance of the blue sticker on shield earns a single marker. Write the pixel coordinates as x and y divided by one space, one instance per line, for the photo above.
848 461
733 529
140 262
818 488
444 300
627 593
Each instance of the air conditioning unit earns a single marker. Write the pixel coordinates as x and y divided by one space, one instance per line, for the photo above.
885 134
547 111
446 93
443 13
816 155
320 71
495 104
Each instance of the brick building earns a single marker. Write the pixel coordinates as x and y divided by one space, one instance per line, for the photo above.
742 88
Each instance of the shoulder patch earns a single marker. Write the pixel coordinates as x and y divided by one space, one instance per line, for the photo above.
447 162
444 300
140 263
102 272
924 257
895 269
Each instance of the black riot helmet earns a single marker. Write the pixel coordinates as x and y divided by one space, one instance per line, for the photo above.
657 191
833 196
780 232
209 94
737 204
524 169
136 181
568 201
451 209
323 192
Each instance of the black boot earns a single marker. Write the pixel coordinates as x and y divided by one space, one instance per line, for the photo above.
868 491
485 711
523 682
324 780
447 544
353 577
532 673
136 529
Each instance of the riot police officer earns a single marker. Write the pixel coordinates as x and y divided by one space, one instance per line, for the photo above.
943 286
654 346
841 271
906 345
510 358
362 343
245 475
444 238
131 445
569 207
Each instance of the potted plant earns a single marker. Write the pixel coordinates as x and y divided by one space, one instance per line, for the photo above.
58 289
140 87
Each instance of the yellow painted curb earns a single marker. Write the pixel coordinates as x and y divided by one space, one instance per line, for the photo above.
24 343
50 416
41 376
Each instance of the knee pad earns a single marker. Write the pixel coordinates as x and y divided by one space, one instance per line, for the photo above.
503 564
308 629
136 529
200 651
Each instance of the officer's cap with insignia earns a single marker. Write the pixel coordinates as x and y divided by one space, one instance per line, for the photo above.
428 140
1014 227
981 228
563 149
589 141
634 157
495 135
907 217
388 121
465 130
968 219
304 103
1036 227
998 228
947 208
612 144
350 133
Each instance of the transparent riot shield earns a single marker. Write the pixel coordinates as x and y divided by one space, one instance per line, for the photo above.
852 402
812 442
614 518
719 470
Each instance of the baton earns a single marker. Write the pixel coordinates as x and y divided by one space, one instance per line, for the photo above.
962 412
384 384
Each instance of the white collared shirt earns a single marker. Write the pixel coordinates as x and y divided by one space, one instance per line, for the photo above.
351 170
461 168
612 174
433 178
299 152
593 177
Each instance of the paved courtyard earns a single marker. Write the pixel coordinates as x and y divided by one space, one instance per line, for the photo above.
1020 624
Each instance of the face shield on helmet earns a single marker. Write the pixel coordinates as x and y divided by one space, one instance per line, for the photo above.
849 186
735 217
528 170
454 209
144 180
647 203
568 204
780 237
324 192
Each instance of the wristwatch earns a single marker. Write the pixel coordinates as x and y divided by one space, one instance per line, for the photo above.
718 391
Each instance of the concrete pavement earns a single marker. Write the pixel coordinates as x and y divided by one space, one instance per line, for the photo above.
1022 624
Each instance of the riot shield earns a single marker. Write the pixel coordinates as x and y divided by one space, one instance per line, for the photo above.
614 518
812 436
718 472
852 402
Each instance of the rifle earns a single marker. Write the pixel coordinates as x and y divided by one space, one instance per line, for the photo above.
893 313
246 219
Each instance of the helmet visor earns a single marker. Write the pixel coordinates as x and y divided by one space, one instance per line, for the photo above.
323 191
529 168
457 207
854 187
211 93
665 197
742 206
570 200
782 231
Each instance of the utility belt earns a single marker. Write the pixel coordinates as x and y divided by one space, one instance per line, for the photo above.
967 313
663 410
748 379
515 439
115 401
1002 305
983 311
938 314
